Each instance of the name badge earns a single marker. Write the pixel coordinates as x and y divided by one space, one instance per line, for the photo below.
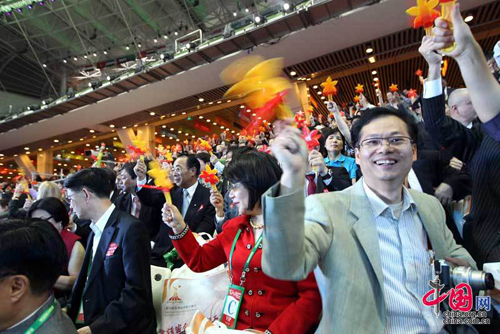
232 305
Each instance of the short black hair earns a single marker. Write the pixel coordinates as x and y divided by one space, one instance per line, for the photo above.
94 179
33 248
129 168
372 114
203 156
327 132
256 171
54 207
112 177
192 162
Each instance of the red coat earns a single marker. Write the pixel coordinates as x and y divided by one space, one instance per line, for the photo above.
280 306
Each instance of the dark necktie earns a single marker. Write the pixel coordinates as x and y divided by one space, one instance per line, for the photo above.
311 185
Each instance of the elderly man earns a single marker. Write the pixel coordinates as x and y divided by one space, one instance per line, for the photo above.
370 243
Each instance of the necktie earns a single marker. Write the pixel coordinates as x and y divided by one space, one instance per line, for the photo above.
137 207
185 202
311 185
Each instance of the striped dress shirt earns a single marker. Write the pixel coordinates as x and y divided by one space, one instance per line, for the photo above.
405 265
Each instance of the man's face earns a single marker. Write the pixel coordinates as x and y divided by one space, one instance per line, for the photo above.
465 109
127 183
385 163
78 201
182 176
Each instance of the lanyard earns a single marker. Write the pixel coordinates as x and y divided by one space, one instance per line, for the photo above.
247 263
41 319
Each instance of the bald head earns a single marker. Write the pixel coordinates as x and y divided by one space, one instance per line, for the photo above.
461 108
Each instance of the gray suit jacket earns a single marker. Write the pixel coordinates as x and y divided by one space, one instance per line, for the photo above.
336 233
57 323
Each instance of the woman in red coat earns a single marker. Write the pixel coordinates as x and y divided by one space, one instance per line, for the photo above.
254 300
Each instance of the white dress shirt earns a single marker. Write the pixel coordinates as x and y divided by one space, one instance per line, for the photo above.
405 265
98 227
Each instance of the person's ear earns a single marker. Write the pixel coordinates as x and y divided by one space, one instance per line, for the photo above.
86 194
414 152
19 285
356 155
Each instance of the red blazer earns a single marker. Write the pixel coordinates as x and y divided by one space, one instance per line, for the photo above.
280 306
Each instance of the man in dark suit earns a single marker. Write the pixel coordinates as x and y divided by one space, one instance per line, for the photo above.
191 198
112 294
129 202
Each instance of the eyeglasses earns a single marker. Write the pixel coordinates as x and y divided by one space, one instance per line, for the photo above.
69 199
396 142
233 186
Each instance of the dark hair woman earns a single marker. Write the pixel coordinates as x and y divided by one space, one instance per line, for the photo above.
266 304
53 210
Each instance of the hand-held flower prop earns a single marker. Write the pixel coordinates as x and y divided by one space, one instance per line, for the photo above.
393 88
161 180
209 175
265 149
300 119
204 146
419 73
412 94
261 86
446 8
359 89
329 88
311 138
425 14
98 159
356 99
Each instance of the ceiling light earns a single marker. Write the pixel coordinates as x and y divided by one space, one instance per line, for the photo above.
247 10
371 59
293 73
70 141
127 47
155 40
174 115
315 86
208 120
65 61
165 36
320 93
152 113
322 97
286 6
75 58
111 125
375 79
228 101
210 102
200 117
85 56
201 99
114 138
139 45
27 148
95 54
44 65
171 129
235 14
136 125
369 50
91 131
124 127
176 33
469 18
40 149
56 140
374 72
105 52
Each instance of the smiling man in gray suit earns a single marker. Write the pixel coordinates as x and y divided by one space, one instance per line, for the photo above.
369 244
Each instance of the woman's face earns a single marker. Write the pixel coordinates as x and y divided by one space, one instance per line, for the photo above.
334 143
240 197
44 215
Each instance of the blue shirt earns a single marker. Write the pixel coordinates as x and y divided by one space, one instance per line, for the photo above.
348 163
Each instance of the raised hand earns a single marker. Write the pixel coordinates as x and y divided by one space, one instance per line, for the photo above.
316 160
173 218
461 34
140 170
217 201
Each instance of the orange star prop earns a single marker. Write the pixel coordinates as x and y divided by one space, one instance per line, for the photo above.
412 93
329 88
359 89
356 99
425 14
393 88
209 175
419 73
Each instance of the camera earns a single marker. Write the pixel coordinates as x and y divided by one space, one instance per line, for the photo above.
452 276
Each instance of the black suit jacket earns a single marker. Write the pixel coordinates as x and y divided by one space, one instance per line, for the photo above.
149 215
117 297
481 154
200 216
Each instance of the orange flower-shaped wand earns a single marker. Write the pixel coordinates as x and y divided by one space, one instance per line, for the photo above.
311 138
393 88
425 14
161 180
209 175
329 88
